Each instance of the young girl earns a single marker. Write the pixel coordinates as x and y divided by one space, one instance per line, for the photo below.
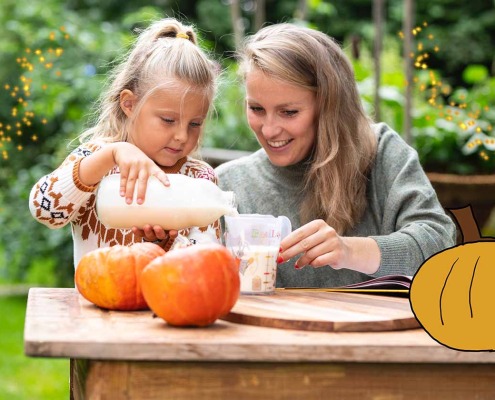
150 120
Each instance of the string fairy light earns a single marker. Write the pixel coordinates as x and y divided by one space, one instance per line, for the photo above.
455 108
22 114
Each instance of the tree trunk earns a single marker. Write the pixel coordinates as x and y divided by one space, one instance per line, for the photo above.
237 24
378 19
259 14
408 22
302 10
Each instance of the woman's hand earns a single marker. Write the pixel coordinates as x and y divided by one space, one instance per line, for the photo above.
135 169
320 245
156 234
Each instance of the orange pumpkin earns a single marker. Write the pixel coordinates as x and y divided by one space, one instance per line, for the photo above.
193 285
451 294
110 277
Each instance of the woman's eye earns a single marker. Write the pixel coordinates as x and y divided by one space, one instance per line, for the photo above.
290 113
256 109
168 120
195 124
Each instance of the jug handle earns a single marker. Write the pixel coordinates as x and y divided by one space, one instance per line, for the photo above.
285 226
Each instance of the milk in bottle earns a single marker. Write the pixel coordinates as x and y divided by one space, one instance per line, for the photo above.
185 203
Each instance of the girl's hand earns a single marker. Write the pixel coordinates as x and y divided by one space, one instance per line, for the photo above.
320 245
135 169
156 234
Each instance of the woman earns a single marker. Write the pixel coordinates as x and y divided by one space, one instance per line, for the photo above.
359 202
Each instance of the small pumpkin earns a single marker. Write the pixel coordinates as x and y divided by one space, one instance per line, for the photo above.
192 286
110 277
451 295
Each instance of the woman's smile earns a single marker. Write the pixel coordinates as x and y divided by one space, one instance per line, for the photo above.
278 144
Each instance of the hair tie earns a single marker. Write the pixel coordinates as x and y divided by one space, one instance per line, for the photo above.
182 35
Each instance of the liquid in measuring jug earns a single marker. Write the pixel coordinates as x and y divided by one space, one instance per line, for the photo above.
258 268
185 203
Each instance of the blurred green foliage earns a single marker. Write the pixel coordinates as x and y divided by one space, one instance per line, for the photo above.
443 143
60 100
440 142
22 377
228 127
93 33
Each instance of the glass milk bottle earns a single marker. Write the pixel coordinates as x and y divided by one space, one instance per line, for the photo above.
185 203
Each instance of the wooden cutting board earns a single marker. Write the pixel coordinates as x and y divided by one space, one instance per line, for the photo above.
324 311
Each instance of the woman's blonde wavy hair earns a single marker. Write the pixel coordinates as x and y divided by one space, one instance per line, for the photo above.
345 145
157 60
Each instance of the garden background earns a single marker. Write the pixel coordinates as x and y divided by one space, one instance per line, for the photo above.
54 56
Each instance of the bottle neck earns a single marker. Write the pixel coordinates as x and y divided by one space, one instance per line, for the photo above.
230 202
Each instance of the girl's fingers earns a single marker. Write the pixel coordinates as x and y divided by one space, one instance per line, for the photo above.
149 233
123 183
173 233
142 184
137 232
129 188
159 233
156 233
162 177
134 179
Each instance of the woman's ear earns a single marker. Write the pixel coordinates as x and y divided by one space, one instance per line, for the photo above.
127 101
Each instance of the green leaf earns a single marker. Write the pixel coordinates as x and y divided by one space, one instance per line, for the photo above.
475 73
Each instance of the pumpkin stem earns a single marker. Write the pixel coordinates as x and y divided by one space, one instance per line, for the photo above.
467 223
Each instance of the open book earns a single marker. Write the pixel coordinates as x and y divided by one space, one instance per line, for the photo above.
397 285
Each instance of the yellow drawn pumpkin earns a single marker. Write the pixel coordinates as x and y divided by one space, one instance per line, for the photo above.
452 294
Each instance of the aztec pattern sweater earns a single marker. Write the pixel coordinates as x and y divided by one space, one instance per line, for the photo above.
60 198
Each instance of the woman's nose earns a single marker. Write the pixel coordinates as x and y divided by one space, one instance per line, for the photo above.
270 128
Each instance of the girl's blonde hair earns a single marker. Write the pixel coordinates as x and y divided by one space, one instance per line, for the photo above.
164 53
345 145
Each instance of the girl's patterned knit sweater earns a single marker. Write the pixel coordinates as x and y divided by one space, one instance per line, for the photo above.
60 198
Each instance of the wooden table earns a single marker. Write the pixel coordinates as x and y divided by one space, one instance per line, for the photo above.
131 355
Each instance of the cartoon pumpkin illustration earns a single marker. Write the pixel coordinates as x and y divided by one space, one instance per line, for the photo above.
451 295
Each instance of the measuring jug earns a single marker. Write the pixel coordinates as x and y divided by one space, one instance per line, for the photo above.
255 240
